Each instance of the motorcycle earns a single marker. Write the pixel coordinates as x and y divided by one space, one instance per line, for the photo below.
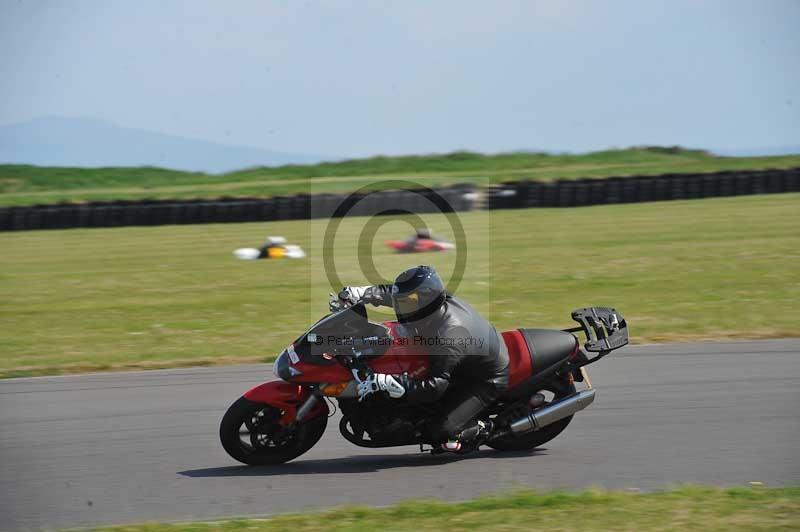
280 420
274 248
420 245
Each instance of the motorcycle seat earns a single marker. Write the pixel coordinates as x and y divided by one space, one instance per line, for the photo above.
533 350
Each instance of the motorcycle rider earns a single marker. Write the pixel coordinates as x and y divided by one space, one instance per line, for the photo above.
422 233
272 248
468 357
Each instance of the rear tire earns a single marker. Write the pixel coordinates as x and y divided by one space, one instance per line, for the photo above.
250 433
537 438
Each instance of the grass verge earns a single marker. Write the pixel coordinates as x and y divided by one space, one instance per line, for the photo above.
153 297
27 185
686 508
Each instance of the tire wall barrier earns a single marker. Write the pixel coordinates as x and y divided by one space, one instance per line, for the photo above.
226 210
635 189
513 195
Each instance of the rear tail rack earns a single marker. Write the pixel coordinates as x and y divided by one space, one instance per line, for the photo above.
605 330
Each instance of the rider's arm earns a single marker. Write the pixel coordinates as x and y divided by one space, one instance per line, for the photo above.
379 295
444 360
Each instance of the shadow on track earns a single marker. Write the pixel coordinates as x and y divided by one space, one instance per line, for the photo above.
351 464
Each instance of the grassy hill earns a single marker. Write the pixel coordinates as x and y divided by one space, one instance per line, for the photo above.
26 185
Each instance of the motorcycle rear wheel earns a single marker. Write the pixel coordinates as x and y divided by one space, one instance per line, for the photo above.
250 433
537 438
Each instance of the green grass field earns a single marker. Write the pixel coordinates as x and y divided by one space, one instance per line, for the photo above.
26 185
147 297
688 508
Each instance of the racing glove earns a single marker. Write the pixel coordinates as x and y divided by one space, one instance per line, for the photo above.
380 382
353 294
347 297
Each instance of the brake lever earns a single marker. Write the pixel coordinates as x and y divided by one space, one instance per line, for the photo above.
335 304
352 362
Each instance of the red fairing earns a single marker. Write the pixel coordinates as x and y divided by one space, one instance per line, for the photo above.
419 246
519 358
314 374
403 356
286 396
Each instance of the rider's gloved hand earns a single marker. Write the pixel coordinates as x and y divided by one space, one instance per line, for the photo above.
380 382
348 296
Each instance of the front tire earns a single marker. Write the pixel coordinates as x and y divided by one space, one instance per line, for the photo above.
537 438
251 434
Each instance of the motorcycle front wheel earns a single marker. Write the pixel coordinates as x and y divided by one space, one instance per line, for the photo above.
251 434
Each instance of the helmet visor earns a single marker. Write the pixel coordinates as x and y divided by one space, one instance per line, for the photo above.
406 304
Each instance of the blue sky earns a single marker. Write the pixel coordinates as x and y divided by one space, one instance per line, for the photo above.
359 78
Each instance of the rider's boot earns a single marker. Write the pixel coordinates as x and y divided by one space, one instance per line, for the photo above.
468 439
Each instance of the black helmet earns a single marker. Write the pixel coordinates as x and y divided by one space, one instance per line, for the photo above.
423 232
417 293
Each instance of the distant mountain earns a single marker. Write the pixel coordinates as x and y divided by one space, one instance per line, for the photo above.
59 141
760 152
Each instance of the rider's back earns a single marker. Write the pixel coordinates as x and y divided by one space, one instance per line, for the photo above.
463 342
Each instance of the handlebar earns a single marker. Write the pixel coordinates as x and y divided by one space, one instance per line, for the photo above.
335 304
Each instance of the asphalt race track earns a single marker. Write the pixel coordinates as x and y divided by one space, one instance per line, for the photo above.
131 447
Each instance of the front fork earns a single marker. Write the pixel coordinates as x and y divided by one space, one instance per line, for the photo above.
313 399
306 407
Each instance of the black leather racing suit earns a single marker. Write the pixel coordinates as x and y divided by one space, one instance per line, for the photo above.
469 361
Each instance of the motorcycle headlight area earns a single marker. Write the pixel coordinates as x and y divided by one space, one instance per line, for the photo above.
282 369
